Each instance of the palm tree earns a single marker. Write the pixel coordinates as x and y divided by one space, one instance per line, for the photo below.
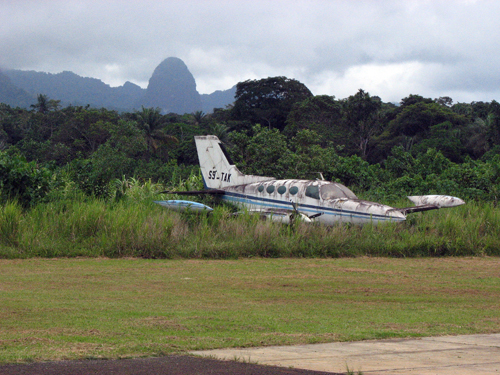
151 122
44 104
219 130
198 116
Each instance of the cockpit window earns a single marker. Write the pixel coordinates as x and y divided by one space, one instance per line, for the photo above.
312 191
336 191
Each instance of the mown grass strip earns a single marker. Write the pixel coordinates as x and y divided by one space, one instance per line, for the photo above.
111 308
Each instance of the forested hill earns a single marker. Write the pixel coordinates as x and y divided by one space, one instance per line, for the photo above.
13 95
171 87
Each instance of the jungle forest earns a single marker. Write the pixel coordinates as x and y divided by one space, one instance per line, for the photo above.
275 127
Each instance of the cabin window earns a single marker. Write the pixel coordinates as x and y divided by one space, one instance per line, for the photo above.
336 191
260 189
312 191
270 189
294 190
282 190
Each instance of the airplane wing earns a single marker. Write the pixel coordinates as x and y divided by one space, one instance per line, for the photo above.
196 192
180 205
280 215
410 210
273 214
430 202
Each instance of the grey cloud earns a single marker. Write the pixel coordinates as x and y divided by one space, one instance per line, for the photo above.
225 41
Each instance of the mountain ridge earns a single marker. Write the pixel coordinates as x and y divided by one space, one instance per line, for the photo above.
173 89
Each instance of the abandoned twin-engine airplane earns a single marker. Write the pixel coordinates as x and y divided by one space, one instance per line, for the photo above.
285 200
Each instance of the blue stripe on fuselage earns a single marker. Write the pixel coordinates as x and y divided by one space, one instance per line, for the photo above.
306 208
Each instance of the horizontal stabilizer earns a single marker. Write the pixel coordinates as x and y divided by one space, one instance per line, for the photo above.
196 192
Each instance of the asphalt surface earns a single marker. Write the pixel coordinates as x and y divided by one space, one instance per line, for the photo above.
444 355
171 365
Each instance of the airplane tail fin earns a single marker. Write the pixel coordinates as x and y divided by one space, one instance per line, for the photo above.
216 168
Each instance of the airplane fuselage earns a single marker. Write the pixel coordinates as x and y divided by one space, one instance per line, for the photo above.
334 202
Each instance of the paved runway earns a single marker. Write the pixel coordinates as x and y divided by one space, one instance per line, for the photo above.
471 354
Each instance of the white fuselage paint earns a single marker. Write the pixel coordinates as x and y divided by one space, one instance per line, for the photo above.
337 210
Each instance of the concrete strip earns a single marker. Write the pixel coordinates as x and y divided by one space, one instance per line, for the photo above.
471 354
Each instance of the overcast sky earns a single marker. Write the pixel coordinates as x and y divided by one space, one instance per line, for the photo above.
388 48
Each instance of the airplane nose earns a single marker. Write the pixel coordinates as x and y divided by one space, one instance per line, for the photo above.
457 202
395 215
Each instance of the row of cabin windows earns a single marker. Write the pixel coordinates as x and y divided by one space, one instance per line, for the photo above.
333 191
311 191
281 189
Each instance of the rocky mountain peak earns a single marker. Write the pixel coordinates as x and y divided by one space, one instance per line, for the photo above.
172 88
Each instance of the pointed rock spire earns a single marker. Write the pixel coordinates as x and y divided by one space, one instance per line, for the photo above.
172 88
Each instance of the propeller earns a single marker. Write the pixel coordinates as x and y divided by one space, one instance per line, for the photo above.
296 211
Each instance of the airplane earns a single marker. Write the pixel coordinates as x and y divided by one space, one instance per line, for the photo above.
286 200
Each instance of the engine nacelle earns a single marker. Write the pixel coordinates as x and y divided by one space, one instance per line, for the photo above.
436 200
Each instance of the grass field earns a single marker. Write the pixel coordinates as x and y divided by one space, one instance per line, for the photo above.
111 308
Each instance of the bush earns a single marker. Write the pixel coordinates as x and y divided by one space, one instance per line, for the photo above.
22 181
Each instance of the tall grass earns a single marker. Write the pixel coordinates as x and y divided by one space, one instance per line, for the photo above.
10 220
143 229
130 224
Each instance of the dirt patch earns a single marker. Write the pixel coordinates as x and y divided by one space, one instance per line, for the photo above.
370 271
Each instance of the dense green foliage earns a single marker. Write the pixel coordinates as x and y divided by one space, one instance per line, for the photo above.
58 161
22 180
276 128
268 101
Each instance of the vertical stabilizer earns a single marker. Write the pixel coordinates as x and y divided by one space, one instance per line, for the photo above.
216 170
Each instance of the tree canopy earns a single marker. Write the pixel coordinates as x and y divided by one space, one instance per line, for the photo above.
268 101
276 127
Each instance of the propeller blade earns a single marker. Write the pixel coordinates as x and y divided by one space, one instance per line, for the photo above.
315 215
